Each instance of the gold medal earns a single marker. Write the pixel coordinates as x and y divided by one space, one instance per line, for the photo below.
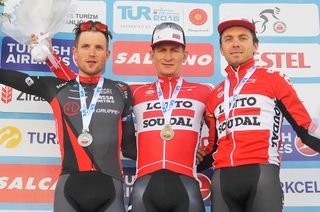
85 139
167 133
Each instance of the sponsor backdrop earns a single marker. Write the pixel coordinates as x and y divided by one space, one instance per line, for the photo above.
289 42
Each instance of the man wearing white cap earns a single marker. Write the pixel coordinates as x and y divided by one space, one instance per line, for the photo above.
169 115
244 114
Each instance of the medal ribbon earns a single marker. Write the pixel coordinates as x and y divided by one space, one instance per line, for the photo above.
87 113
229 105
167 108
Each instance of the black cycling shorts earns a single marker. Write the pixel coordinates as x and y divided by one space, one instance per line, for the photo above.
166 191
248 188
88 192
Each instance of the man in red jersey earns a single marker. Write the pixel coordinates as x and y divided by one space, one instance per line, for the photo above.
169 115
244 115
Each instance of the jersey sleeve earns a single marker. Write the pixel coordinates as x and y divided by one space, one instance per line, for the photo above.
293 110
211 124
39 86
128 144
62 71
212 146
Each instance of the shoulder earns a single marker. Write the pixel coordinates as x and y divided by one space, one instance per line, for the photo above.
217 92
204 87
122 87
138 88
270 75
118 84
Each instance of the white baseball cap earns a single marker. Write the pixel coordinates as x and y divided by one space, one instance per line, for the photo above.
168 32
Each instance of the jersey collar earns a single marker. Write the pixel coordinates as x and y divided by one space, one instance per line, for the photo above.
87 80
242 69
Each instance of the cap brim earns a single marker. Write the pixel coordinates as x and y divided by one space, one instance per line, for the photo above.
168 41
227 24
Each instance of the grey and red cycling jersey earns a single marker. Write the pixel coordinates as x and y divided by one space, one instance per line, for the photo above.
252 132
154 153
111 125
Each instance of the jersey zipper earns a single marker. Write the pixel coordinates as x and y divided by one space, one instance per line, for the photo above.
232 131
165 142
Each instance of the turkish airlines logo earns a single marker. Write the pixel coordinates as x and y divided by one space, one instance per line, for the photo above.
10 137
6 94
205 186
304 149
133 59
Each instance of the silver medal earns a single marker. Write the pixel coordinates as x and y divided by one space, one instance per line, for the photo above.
85 139
167 133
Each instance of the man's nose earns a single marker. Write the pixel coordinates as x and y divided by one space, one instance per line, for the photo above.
92 51
235 43
168 55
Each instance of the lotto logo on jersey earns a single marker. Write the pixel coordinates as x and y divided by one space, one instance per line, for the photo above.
10 137
133 59
6 94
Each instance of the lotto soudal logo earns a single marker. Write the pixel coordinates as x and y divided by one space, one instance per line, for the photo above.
10 137
6 94
133 59
304 149
205 186
28 183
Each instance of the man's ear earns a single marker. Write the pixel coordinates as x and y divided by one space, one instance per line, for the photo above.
75 54
151 54
185 55
255 48
107 54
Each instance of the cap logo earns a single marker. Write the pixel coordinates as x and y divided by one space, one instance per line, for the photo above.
177 36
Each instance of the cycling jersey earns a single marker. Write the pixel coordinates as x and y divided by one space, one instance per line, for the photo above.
252 132
178 154
107 126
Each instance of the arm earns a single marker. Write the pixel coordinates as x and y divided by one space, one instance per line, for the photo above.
62 71
128 144
23 82
294 111
303 133
206 158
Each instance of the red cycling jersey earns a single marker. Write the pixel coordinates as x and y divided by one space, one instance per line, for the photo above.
254 123
178 154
